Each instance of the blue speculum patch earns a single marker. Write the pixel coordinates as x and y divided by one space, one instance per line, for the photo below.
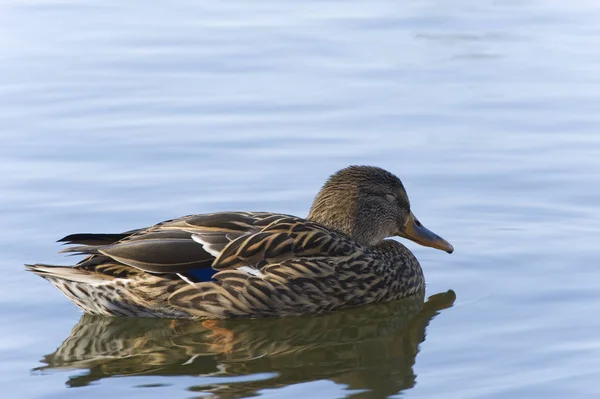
201 275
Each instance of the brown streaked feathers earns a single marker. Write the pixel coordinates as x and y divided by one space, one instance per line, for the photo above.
264 264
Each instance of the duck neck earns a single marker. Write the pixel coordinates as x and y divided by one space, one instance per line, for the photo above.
342 217
345 218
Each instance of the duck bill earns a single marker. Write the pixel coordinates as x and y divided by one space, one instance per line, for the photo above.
418 233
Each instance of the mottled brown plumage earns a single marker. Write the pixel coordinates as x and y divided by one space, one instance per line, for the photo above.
266 264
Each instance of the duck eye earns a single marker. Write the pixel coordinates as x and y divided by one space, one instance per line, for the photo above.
391 198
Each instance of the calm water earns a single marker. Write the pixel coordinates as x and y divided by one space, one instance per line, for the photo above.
115 115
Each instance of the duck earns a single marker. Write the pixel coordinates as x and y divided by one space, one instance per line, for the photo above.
226 265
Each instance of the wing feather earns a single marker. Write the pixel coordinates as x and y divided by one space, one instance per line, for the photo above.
173 246
277 243
264 246
160 255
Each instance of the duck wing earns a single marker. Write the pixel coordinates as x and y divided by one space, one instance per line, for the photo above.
97 238
171 246
282 238
290 266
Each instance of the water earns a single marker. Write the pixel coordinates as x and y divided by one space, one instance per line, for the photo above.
116 115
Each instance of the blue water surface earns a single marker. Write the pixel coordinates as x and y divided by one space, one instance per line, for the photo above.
120 114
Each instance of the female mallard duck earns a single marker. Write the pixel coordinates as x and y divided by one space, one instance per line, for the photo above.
256 264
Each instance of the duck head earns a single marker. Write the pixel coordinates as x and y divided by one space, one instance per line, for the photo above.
368 204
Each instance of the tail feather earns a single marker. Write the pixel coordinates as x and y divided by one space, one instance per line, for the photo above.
82 250
109 294
96 239
68 273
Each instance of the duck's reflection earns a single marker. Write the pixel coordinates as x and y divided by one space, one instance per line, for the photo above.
371 349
